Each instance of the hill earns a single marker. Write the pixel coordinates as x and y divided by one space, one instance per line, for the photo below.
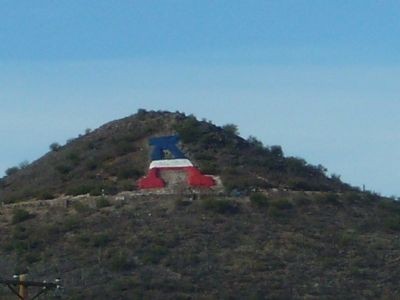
288 245
282 229
113 157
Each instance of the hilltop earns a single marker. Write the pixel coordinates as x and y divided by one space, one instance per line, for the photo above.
280 229
113 157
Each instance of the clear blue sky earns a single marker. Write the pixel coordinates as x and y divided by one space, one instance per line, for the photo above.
320 78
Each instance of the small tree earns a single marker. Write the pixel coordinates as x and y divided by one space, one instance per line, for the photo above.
231 129
276 151
55 147
11 171
255 142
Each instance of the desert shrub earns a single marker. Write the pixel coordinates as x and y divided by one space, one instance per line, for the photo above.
124 284
189 130
181 202
80 207
83 239
70 140
129 172
52 230
281 204
71 223
96 190
46 195
11 171
31 258
127 185
102 202
336 178
201 156
347 238
79 190
19 241
141 113
110 188
154 253
276 151
88 239
259 199
121 262
63 169
20 215
20 247
91 145
55 147
276 213
231 129
24 193
100 240
74 157
279 208
371 196
392 223
296 165
255 142
299 184
219 205
92 164
123 147
389 205
242 182
209 167
352 197
302 201
328 198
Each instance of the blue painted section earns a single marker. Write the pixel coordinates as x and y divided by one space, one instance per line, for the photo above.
165 143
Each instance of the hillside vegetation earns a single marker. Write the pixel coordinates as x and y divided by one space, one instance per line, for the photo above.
282 229
283 246
114 156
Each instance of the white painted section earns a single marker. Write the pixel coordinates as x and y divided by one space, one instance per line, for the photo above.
171 163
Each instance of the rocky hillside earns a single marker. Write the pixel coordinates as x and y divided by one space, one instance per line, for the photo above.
281 229
114 156
284 245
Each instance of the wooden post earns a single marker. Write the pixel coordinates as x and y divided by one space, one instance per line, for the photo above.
22 288
20 285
